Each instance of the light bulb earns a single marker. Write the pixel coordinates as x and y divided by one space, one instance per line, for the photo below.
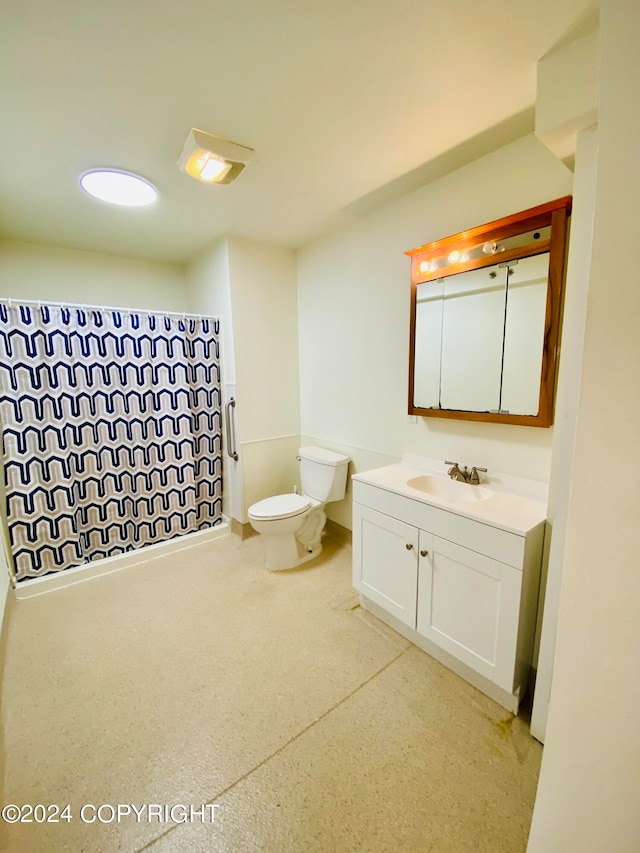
213 169
454 257
207 167
118 187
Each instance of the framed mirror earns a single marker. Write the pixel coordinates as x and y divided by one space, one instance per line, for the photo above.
485 319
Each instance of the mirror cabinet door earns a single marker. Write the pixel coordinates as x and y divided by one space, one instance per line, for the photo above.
524 335
472 335
428 348
485 322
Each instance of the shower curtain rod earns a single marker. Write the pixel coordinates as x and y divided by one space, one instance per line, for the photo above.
86 306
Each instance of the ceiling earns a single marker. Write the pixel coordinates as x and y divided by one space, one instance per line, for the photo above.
342 100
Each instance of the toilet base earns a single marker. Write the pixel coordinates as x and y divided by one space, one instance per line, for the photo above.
288 554
288 550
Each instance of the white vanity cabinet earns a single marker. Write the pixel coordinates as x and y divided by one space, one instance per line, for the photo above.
385 564
468 604
463 590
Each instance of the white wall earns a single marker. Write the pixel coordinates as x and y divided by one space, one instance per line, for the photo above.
588 790
36 271
265 329
353 304
567 404
265 323
567 91
209 292
251 286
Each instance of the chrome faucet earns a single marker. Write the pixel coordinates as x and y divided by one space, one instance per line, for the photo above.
474 478
465 476
455 473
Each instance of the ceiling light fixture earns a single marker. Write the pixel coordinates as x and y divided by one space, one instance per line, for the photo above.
118 187
213 160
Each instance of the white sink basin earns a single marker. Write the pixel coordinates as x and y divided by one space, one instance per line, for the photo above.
449 490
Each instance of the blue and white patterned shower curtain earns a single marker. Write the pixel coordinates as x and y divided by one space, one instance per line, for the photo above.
111 428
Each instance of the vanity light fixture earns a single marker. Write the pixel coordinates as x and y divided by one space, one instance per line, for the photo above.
212 160
118 187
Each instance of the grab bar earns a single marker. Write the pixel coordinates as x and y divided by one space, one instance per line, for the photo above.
231 435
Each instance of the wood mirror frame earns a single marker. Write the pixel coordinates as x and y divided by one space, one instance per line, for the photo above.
431 262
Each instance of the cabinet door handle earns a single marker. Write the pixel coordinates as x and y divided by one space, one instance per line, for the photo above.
409 546
424 553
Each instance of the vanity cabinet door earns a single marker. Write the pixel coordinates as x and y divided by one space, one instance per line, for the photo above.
468 604
385 562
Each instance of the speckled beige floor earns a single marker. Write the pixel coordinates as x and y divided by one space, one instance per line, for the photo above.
202 678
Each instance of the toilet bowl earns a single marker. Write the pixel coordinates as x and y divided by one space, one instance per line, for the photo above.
292 524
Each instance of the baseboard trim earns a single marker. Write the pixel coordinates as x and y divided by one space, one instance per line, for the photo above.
107 565
244 531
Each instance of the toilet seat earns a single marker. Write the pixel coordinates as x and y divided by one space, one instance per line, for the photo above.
280 506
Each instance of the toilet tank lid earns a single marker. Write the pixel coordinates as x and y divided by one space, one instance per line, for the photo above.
323 456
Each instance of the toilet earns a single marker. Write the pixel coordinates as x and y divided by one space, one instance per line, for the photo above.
292 523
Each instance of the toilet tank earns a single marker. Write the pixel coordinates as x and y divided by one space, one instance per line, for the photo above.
323 473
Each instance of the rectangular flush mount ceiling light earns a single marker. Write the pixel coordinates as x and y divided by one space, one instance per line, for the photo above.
213 160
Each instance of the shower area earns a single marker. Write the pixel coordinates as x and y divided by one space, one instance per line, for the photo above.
111 432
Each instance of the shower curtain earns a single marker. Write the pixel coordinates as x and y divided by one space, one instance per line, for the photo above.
111 430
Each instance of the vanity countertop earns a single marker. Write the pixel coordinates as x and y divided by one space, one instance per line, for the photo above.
514 513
